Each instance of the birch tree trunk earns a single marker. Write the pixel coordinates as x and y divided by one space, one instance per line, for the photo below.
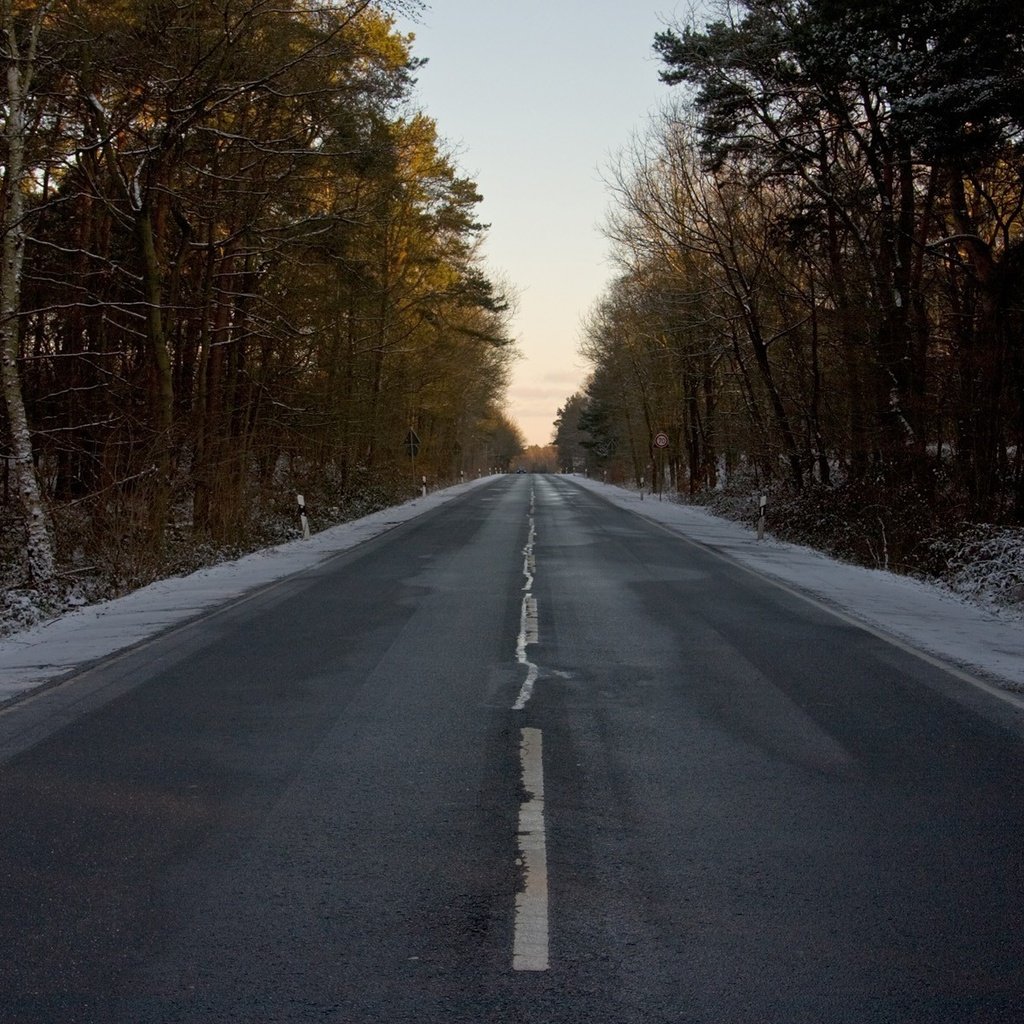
18 69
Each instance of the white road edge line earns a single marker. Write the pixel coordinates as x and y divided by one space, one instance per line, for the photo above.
1006 696
530 945
1010 697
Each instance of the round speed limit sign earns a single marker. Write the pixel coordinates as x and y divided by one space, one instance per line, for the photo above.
661 440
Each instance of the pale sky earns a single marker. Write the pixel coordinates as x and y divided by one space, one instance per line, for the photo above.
535 96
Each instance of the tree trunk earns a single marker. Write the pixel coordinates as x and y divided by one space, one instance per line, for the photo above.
820 452
39 532
160 367
982 359
760 348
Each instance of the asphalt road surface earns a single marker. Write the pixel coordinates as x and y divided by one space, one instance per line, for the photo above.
526 758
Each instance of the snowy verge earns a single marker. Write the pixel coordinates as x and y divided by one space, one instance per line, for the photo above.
72 641
924 615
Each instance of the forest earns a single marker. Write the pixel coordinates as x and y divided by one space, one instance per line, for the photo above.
820 277
238 264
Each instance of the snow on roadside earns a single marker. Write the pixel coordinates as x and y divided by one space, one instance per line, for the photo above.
52 649
926 616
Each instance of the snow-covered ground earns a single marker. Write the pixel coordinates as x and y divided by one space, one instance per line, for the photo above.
922 616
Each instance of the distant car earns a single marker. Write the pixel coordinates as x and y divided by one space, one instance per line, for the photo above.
520 470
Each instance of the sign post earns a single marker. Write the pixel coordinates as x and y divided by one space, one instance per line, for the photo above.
661 443
412 446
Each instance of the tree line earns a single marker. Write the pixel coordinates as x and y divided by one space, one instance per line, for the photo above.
821 268
237 264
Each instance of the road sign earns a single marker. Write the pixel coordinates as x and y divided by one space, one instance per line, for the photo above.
412 443
661 439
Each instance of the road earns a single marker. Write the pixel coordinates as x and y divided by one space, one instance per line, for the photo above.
526 758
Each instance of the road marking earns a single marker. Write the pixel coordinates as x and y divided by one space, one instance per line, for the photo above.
532 671
1010 697
529 628
530 945
850 618
529 557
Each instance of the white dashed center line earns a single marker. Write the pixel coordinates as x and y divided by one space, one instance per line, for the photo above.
530 947
528 622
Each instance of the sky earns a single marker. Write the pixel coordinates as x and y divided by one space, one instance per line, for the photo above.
902 610
535 98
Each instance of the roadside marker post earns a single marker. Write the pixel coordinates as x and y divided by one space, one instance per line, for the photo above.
661 442
303 518
762 502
